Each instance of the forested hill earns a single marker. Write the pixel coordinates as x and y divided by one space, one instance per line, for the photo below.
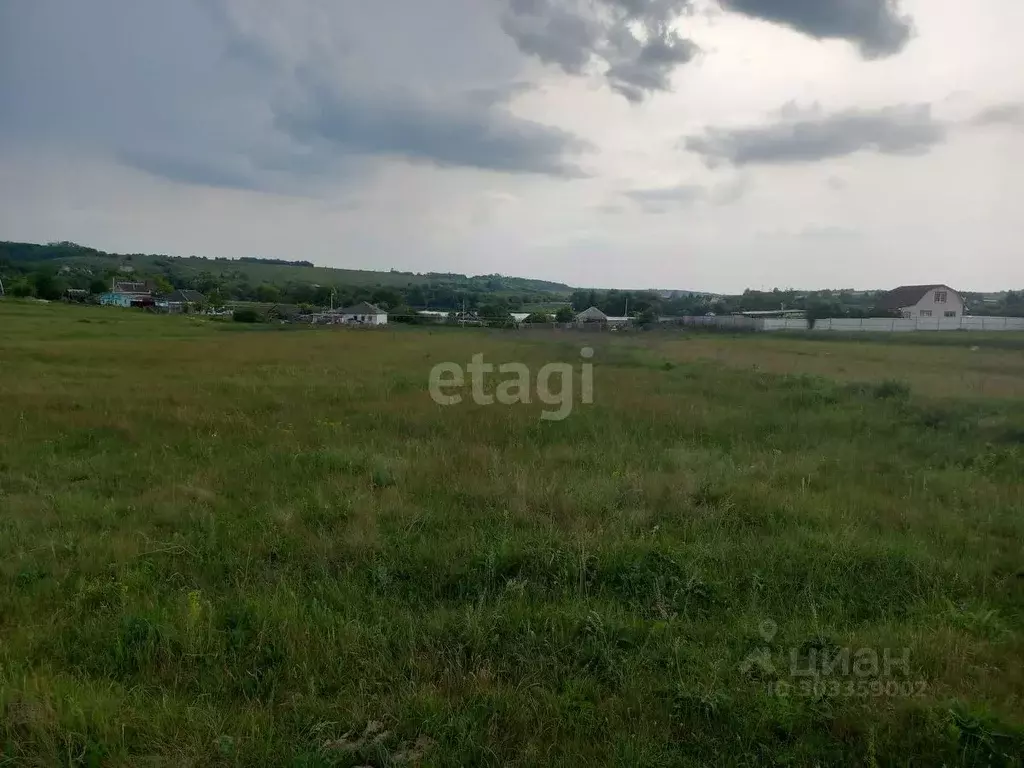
274 279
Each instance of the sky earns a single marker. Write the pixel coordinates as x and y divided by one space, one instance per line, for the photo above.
711 145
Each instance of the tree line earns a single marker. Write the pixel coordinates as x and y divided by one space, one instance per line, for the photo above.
47 271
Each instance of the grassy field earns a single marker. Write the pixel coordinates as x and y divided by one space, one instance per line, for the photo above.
260 546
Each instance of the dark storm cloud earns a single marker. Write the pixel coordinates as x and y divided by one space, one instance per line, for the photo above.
808 137
191 91
637 48
553 33
633 39
205 171
651 66
472 130
876 26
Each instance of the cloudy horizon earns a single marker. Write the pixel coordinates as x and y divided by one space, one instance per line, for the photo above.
710 145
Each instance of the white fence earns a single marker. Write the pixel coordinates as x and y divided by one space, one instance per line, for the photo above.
729 322
887 325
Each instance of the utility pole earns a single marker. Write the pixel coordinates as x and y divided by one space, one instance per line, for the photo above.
1 287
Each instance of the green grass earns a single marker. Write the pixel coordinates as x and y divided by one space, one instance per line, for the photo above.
236 546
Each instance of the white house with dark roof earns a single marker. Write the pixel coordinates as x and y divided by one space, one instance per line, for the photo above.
924 301
363 313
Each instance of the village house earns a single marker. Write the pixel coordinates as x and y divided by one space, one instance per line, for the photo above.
923 301
181 301
363 313
128 294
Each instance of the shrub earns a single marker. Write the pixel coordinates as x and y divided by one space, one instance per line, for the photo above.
892 390
20 290
246 316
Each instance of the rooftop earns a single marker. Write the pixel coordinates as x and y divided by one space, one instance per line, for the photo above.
362 308
907 295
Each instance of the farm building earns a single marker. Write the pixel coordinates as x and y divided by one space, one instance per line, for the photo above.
128 294
592 315
363 313
595 318
923 301
179 301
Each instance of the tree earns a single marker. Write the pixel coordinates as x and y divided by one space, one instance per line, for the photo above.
268 294
215 299
416 297
821 311
205 282
386 298
647 317
46 286
538 317
578 300
98 286
161 284
322 295
496 314
565 315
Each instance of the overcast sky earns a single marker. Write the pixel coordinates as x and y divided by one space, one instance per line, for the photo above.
691 144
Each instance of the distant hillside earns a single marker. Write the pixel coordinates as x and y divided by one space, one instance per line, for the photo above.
257 271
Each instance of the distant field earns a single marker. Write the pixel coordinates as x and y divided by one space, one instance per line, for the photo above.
236 546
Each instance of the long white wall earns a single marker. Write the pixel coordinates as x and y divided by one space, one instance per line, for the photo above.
885 325
736 322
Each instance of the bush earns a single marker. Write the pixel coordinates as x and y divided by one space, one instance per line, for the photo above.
46 286
20 290
889 389
407 315
647 318
892 390
246 316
